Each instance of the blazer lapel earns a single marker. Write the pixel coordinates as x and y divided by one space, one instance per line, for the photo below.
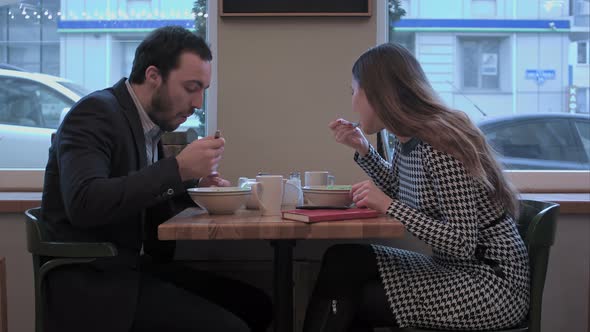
132 115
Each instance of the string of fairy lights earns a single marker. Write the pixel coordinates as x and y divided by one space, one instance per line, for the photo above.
30 12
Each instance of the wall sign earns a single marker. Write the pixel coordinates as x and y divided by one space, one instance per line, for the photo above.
572 102
540 75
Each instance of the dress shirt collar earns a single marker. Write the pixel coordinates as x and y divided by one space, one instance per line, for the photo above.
150 129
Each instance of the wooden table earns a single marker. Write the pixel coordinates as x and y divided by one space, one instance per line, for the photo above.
195 224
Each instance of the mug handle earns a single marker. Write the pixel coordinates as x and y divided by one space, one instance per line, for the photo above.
256 189
331 180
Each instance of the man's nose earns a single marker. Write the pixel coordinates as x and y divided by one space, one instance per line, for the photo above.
197 102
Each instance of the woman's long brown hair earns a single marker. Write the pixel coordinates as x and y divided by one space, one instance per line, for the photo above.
399 92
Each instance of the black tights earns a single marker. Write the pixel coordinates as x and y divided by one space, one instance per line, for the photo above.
348 295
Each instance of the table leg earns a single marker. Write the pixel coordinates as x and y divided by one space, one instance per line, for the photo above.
283 284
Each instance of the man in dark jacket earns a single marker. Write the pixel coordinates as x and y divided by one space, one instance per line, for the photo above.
107 181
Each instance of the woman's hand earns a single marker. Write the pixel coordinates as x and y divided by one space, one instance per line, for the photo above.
366 194
345 132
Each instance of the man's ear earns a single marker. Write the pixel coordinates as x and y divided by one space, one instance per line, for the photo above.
152 76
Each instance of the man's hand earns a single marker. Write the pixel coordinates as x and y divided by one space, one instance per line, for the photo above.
200 158
366 194
214 180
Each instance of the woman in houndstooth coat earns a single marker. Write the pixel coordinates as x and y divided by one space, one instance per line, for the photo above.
445 187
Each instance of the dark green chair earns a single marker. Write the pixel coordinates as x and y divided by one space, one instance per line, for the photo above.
48 255
536 225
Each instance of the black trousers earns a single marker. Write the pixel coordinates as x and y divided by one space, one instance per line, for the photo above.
349 273
174 297
170 297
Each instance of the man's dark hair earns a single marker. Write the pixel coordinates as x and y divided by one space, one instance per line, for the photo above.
162 48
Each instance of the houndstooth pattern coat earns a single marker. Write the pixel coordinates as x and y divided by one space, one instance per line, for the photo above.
477 277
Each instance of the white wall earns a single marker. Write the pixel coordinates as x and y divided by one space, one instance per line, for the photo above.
433 9
280 82
535 9
505 9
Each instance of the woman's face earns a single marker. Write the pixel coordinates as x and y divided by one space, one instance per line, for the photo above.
369 122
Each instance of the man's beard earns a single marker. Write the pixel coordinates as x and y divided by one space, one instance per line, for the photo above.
159 104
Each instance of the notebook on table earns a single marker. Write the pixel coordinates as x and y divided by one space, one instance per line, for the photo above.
311 216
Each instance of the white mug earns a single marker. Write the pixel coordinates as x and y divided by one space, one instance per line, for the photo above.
268 193
319 178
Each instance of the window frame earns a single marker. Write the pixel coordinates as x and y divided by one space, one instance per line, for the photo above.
23 180
524 181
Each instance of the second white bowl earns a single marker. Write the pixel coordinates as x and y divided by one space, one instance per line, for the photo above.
328 195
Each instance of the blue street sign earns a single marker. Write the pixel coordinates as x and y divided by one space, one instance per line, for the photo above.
540 75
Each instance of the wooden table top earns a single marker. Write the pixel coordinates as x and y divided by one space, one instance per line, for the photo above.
195 224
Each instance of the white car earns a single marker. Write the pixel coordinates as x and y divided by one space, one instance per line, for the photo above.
32 106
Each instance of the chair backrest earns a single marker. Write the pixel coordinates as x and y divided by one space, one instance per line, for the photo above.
36 232
536 225
49 254
3 311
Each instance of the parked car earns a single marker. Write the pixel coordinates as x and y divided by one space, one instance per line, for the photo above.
540 141
32 106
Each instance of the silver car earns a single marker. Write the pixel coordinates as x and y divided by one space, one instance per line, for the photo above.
540 141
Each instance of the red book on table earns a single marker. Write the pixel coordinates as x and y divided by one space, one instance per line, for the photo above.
328 214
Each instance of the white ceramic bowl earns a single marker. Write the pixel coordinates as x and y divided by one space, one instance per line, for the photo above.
220 200
337 195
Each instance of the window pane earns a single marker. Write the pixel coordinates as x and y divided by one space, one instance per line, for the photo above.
480 60
4 17
489 63
25 55
500 63
50 58
470 64
88 46
582 52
